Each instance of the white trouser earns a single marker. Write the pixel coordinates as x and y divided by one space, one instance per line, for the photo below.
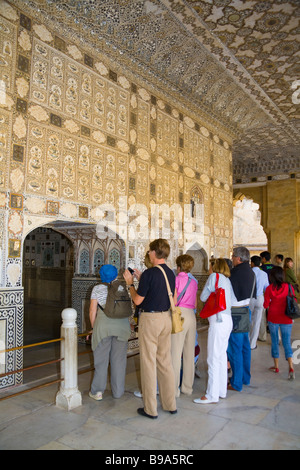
257 308
217 343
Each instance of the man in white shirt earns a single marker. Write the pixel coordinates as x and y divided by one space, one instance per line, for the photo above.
256 305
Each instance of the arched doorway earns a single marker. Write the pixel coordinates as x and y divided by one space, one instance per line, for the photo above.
61 262
48 258
47 278
247 228
200 260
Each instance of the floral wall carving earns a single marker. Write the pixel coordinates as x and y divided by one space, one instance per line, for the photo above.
79 130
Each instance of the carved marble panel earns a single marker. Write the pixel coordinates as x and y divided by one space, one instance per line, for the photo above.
72 90
87 131
11 331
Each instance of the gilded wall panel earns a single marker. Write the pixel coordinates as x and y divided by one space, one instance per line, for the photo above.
143 123
167 136
76 92
166 187
5 146
8 33
222 211
76 132
222 162
196 151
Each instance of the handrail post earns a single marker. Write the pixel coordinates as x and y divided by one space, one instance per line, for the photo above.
69 397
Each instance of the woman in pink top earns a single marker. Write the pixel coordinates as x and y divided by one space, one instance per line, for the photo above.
183 344
275 300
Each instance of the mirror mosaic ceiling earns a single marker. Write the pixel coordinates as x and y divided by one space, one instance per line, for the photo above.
235 63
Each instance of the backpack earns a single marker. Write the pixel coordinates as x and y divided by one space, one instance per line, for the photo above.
118 302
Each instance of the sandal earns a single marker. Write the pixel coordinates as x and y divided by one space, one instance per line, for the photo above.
230 387
274 369
291 374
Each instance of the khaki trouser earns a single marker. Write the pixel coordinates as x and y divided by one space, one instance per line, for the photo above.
183 345
155 356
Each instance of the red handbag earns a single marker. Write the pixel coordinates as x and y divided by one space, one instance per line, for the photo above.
215 303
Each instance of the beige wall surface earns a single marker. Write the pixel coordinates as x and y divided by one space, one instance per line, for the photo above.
279 205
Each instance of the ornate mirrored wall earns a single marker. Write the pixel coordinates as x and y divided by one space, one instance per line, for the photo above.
85 140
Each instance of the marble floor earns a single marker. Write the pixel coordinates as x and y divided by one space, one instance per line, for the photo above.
264 416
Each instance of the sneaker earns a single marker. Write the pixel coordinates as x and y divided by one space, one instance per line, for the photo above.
291 374
140 395
97 396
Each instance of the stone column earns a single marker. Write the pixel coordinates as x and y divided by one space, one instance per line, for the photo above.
69 396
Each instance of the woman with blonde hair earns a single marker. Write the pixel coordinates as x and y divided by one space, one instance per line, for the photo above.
183 343
220 327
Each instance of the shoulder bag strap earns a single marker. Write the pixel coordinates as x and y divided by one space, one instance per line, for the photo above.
253 287
108 286
217 281
168 287
181 295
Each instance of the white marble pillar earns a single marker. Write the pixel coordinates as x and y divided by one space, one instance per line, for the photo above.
69 397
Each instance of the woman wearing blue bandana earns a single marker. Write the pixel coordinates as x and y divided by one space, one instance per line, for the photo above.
109 340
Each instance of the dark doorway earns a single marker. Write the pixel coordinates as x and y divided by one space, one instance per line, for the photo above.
47 280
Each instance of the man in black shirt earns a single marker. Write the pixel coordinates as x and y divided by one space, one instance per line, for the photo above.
155 326
266 264
239 352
